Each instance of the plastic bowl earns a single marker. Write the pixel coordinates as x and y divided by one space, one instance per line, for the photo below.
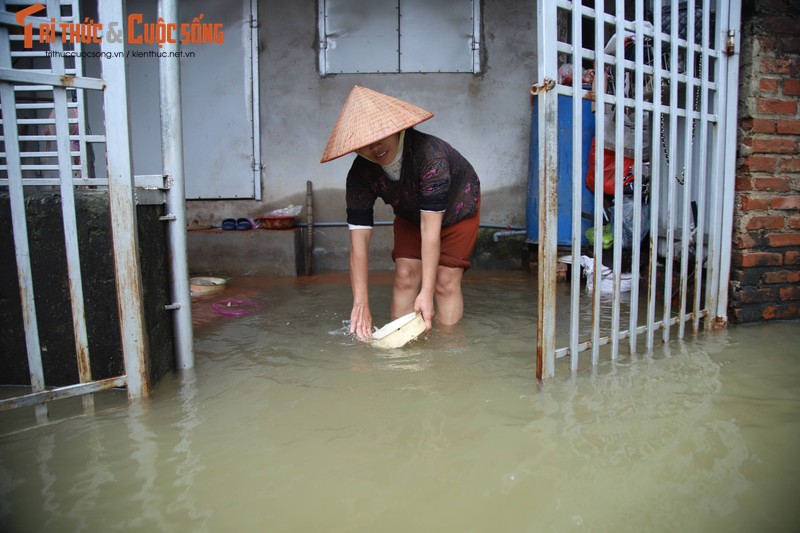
398 332
204 285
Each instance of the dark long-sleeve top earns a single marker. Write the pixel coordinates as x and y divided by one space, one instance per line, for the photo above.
433 177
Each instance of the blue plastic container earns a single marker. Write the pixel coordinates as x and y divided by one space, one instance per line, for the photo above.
564 172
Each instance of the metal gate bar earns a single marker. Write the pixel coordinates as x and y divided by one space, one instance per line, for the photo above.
690 160
123 209
689 133
577 140
548 200
638 169
619 109
68 215
19 226
702 170
729 78
599 95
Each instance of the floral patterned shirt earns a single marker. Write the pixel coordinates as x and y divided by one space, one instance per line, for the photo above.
434 177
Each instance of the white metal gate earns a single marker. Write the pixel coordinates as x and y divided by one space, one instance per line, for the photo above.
665 96
46 144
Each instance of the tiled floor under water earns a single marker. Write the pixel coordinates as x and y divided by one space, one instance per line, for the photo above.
288 424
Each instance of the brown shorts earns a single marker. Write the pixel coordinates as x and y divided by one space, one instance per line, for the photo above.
458 241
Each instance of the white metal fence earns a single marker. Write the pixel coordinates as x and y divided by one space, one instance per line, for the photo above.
664 92
47 144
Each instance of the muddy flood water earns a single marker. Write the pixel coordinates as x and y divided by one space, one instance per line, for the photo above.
288 424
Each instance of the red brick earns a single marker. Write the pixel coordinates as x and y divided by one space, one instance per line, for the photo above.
791 258
760 163
794 222
779 66
749 314
776 24
772 106
743 184
789 164
774 145
750 203
772 184
765 222
782 276
745 241
785 202
784 239
761 259
751 276
791 87
789 294
759 125
768 85
791 45
749 295
788 126
781 312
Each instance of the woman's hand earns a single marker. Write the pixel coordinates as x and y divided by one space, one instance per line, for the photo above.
424 304
360 316
431 235
361 322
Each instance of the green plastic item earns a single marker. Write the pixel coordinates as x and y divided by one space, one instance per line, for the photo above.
608 236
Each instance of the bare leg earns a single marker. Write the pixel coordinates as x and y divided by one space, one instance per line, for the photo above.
449 300
407 284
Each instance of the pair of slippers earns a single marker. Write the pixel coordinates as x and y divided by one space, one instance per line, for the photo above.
237 224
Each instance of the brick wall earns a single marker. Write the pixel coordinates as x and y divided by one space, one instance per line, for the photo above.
765 272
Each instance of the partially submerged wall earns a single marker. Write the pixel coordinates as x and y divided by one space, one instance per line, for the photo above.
765 274
51 288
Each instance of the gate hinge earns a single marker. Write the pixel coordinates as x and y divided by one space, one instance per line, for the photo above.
730 43
172 307
545 86
167 218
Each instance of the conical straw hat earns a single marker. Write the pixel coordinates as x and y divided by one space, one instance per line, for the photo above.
369 116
